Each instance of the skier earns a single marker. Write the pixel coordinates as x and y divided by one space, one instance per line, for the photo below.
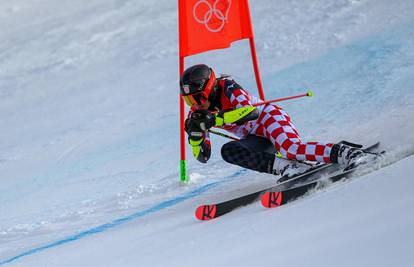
269 142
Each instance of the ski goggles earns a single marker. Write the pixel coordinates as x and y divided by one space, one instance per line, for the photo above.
195 99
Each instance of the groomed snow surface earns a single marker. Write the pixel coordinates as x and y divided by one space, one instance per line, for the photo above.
89 134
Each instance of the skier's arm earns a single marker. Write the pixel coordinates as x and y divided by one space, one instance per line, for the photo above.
198 137
200 121
238 116
201 148
240 99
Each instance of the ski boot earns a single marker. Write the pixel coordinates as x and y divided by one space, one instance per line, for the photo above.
289 169
350 157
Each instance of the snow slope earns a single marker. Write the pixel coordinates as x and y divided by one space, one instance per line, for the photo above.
89 135
361 223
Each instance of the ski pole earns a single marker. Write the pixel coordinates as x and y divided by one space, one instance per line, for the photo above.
224 135
309 93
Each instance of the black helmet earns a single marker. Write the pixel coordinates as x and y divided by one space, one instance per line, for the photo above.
197 83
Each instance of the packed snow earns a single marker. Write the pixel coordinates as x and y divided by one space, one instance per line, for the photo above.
89 136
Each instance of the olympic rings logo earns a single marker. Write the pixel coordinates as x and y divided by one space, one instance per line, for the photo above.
215 16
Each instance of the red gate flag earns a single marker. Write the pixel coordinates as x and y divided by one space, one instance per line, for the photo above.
212 24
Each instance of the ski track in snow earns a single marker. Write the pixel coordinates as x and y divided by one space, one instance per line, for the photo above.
88 144
118 222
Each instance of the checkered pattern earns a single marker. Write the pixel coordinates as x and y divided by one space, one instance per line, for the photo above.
240 98
275 124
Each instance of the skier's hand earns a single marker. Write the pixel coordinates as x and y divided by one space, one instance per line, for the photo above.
194 132
203 119
198 124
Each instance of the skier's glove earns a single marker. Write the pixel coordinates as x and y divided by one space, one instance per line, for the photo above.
198 123
203 119
195 135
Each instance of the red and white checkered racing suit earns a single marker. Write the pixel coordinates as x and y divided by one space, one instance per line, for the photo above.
273 123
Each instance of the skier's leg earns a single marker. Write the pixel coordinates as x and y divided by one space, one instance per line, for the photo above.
275 124
258 154
254 153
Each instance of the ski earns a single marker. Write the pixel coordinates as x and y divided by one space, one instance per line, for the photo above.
208 212
212 211
277 198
